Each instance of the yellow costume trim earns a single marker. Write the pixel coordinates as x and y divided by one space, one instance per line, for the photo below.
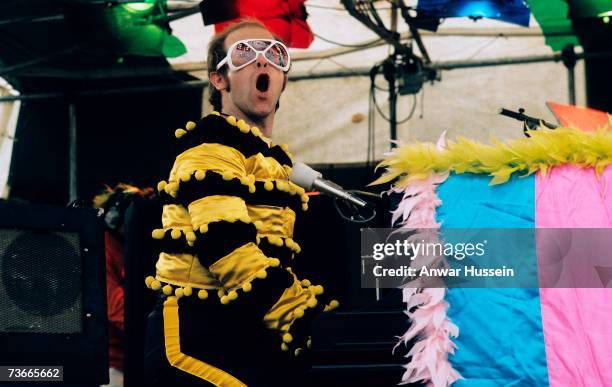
215 208
176 216
184 270
240 266
546 148
209 157
265 167
272 221
185 362
282 312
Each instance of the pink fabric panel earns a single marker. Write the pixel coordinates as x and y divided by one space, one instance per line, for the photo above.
577 321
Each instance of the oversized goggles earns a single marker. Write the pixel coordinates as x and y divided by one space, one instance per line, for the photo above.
244 52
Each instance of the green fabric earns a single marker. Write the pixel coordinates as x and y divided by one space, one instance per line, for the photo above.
552 16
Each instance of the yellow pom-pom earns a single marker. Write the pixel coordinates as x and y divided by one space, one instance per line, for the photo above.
220 292
306 283
215 113
305 198
148 281
287 338
204 229
261 274
311 303
268 185
333 304
309 343
156 285
244 180
256 132
158 233
247 287
274 262
252 188
243 126
161 185
300 190
292 190
275 240
284 347
200 175
281 185
232 295
187 291
179 293
298 351
284 147
298 313
185 177
225 300
316 290
285 328
202 294
231 120
191 236
251 178
167 290
227 176
190 125
175 233
179 133
304 207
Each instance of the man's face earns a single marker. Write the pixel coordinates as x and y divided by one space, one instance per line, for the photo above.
256 88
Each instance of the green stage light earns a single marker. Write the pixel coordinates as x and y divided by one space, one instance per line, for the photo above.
138 7
590 8
139 28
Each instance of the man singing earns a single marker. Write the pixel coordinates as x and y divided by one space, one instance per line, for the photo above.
231 311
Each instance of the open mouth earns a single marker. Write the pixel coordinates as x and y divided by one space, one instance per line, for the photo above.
263 82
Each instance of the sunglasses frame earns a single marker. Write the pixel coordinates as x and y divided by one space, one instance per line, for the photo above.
228 57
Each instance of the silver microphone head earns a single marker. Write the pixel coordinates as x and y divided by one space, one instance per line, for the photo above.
303 175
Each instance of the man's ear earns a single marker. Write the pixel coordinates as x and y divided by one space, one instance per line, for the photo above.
218 80
284 82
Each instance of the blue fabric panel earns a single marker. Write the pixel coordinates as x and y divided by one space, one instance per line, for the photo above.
501 340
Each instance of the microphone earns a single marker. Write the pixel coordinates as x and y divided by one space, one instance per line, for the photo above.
309 179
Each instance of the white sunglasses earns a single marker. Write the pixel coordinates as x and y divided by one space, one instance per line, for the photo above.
244 52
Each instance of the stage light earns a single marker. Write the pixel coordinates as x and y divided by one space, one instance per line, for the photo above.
138 28
138 7
511 11
590 8
606 19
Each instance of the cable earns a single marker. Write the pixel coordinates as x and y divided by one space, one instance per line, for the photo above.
338 8
404 120
356 216
348 45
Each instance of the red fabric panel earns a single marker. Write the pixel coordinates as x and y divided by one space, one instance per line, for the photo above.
284 18
579 117
115 274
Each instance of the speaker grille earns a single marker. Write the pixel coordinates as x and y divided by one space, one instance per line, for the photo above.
40 282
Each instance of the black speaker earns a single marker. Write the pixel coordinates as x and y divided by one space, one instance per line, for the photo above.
53 291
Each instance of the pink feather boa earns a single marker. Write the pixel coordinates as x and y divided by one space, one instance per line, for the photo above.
426 307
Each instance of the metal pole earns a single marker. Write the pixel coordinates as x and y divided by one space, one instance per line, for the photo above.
72 167
569 57
571 83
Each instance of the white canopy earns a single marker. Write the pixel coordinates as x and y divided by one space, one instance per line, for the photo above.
325 120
